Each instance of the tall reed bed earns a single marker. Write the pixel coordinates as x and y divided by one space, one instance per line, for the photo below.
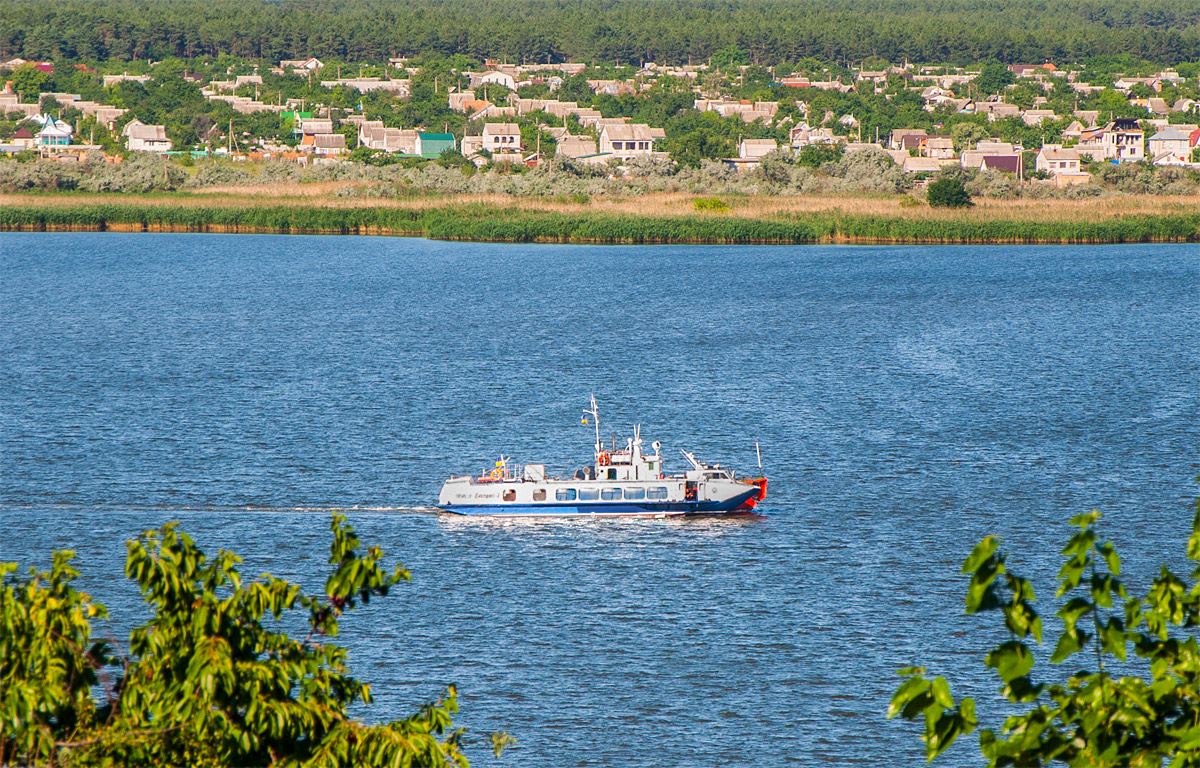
484 222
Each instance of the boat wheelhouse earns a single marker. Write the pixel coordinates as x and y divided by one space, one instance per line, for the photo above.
621 481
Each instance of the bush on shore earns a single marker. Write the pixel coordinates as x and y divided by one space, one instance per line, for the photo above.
779 174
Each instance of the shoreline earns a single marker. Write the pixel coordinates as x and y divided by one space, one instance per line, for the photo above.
615 223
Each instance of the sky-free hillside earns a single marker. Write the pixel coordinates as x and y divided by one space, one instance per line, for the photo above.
627 31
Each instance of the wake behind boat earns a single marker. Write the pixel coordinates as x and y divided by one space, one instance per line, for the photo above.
618 483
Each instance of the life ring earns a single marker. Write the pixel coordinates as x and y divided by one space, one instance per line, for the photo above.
497 473
604 458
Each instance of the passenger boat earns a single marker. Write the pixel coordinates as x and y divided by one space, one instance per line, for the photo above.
624 482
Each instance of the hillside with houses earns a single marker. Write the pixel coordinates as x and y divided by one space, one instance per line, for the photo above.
1038 125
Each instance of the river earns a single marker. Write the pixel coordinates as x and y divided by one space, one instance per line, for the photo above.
907 400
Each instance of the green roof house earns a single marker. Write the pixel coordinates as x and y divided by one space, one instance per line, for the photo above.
432 145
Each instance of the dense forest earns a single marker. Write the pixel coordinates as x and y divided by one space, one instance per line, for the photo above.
622 31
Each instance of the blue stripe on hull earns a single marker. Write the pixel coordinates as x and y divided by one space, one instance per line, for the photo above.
600 509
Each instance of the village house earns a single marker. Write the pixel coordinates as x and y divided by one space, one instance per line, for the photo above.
111 80
459 100
990 154
900 138
329 144
747 110
588 117
920 165
997 110
23 139
492 111
1013 164
576 146
627 141
1038 71
1052 158
503 140
803 135
750 152
503 79
402 88
1126 83
612 87
1032 117
1062 164
1170 146
373 135
938 147
311 126
432 145
1073 131
140 137
301 66
54 133
1120 141
9 104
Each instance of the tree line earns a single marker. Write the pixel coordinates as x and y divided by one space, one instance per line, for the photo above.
625 31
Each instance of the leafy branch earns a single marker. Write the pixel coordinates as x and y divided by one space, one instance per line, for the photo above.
204 682
1091 718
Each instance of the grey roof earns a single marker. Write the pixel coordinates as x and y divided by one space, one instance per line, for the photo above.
1170 133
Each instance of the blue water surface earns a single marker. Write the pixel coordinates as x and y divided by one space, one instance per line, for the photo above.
908 400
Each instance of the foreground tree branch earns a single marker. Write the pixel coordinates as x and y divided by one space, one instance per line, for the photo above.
204 682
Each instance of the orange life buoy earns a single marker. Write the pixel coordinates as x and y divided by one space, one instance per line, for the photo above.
604 458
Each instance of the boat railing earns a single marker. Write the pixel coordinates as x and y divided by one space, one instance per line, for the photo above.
507 473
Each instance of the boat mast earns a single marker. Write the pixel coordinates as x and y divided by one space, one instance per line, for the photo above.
595 414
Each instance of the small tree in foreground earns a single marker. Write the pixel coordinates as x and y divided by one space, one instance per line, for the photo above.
948 192
1089 717
203 682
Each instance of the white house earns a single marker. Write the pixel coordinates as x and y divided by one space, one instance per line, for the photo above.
140 137
1123 141
329 144
627 141
503 140
1169 143
1058 161
54 133
493 78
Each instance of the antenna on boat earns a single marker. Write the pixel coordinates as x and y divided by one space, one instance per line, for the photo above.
757 451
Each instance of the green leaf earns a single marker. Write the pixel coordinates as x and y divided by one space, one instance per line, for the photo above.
908 691
1113 637
1010 660
940 689
980 554
1068 643
1111 557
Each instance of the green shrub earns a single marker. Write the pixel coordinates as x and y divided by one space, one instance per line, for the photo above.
948 193
711 204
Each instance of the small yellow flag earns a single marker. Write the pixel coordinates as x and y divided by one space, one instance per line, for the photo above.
499 463
585 421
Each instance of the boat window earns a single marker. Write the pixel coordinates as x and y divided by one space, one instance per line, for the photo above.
589 494
539 494
509 495
565 494
656 493
612 474
608 494
635 493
